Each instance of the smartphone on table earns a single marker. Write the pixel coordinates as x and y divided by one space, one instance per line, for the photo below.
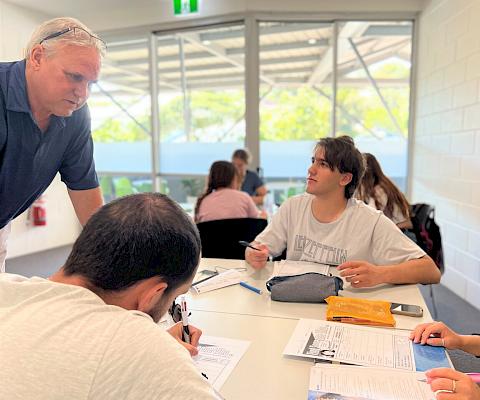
406 309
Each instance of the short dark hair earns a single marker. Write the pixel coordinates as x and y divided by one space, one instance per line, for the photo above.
134 238
341 153
242 154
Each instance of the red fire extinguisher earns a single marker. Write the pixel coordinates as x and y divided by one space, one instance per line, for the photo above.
39 212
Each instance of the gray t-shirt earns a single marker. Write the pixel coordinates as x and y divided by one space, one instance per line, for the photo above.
361 233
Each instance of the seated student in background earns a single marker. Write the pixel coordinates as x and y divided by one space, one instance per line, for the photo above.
379 192
326 225
222 199
251 182
90 330
438 334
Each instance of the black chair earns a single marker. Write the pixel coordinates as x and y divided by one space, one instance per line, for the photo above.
220 237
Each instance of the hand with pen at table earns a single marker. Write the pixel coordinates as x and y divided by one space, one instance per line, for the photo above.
256 254
446 382
187 335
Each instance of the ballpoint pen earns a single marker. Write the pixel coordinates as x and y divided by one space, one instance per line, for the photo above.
185 330
250 287
246 244
205 279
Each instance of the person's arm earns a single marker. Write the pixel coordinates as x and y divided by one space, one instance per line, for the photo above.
86 202
259 195
438 334
257 258
363 274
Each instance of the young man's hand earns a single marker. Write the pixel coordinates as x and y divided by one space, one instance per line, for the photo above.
361 274
195 333
257 258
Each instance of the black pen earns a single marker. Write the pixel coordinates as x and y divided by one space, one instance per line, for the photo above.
246 244
205 279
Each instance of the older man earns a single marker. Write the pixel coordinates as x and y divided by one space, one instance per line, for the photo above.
45 124
89 331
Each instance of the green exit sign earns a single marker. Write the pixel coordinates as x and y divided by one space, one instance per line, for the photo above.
185 7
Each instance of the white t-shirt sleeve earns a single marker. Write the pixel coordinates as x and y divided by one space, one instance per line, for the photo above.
275 235
143 361
390 245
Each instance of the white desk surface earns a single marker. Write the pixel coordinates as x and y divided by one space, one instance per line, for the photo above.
263 372
238 300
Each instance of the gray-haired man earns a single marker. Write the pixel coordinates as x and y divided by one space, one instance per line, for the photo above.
44 122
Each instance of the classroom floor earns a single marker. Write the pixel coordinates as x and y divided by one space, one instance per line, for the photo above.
451 309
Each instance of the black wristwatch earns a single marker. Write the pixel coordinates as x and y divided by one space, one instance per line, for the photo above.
476 334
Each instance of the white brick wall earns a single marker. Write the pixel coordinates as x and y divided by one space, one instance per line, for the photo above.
446 158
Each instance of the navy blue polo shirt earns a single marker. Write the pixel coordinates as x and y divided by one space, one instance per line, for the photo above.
251 183
30 159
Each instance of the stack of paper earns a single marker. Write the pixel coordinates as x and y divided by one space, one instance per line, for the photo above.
291 268
358 383
226 278
359 311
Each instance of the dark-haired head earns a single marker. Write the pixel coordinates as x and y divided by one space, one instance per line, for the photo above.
341 153
135 238
222 175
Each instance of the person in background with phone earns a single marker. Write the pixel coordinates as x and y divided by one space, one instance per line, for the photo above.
455 384
251 183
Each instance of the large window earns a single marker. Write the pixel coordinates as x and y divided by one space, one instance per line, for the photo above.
201 103
373 73
316 79
294 110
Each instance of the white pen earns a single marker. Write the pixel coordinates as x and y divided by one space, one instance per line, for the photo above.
185 330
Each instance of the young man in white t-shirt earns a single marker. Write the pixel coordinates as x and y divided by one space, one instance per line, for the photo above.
90 330
327 225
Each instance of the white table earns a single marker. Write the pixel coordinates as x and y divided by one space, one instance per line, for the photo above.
238 300
238 313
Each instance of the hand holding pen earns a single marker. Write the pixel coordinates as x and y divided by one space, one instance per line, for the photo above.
256 254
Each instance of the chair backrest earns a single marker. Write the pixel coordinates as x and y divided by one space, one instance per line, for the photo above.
427 232
220 237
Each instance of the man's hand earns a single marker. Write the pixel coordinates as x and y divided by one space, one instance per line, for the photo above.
257 258
195 333
361 274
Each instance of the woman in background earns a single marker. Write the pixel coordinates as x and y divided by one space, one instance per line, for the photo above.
222 199
379 192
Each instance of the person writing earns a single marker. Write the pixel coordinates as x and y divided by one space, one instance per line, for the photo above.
379 192
446 382
327 225
222 199
45 122
89 331
251 182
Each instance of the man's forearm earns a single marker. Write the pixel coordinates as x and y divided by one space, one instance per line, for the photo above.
421 270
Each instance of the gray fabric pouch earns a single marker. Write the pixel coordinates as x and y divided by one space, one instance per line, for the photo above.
311 287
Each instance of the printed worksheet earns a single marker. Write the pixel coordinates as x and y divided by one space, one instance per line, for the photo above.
217 357
224 279
345 382
289 267
359 345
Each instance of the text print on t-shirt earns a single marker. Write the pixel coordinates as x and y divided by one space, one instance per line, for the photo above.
318 252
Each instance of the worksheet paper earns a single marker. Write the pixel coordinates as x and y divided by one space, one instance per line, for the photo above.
217 357
351 344
224 279
289 268
346 382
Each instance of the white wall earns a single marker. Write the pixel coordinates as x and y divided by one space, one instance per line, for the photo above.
16 26
446 163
